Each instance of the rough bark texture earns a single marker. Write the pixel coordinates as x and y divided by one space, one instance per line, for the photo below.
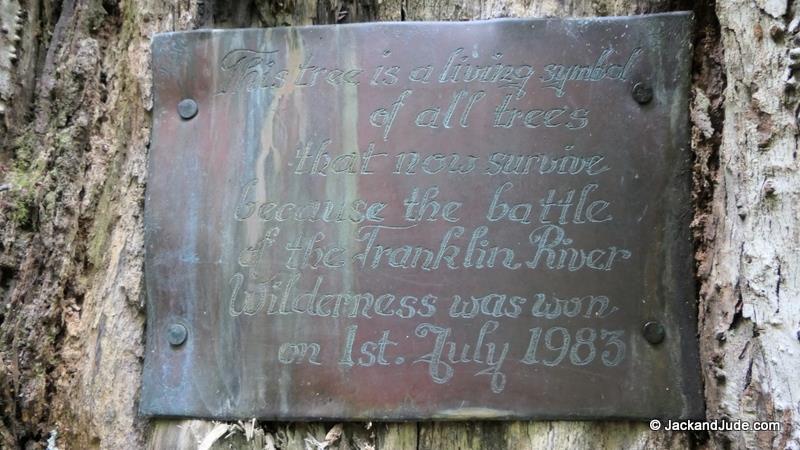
750 314
75 96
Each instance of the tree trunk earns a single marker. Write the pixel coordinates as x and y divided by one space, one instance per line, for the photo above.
75 100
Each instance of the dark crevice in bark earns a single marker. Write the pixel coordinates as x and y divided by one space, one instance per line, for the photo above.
231 13
708 114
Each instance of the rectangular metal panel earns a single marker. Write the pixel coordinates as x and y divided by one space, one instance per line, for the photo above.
422 220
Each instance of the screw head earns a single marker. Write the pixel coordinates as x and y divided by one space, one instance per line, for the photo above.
653 332
642 93
187 108
176 334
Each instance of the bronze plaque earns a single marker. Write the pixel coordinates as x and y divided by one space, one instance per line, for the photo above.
422 220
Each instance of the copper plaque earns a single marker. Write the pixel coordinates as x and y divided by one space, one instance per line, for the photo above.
422 220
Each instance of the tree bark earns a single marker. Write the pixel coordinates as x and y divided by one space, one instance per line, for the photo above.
75 100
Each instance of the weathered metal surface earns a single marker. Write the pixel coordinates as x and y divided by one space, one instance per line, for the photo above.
501 226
